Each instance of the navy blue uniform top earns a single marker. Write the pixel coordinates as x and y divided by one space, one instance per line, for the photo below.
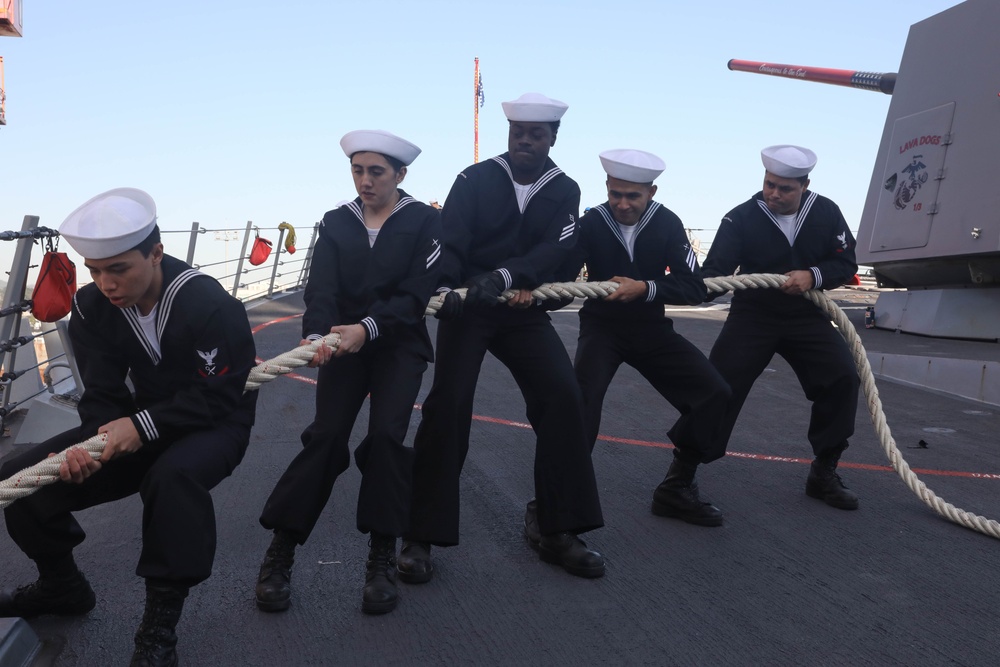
750 239
384 287
485 230
660 243
195 381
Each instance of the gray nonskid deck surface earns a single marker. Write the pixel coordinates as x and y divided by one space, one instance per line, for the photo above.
786 581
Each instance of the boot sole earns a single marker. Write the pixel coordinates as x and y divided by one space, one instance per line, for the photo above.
79 608
413 577
76 611
585 572
818 495
273 606
673 513
35 613
533 540
375 608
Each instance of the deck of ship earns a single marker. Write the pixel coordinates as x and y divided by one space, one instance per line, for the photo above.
786 581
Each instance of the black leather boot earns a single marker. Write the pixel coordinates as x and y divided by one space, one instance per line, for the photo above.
379 595
414 565
274 582
677 497
825 484
156 641
572 554
65 593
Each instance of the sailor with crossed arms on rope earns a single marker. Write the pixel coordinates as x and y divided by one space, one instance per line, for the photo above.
509 222
788 229
188 348
630 239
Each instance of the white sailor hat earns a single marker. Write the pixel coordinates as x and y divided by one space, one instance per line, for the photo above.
111 223
632 165
379 141
534 108
788 161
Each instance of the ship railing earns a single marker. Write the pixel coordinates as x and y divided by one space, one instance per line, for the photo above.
51 367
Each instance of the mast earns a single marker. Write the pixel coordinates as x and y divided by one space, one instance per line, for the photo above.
477 90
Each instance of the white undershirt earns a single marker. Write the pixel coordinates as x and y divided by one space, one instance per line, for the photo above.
628 233
148 323
372 235
522 194
786 223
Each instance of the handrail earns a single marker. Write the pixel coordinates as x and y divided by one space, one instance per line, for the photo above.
276 279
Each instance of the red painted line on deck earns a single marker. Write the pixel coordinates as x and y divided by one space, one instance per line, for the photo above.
667 445
291 376
277 321
756 457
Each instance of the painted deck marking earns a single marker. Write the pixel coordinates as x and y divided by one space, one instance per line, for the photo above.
667 445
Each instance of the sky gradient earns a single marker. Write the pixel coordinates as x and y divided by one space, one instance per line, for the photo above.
231 111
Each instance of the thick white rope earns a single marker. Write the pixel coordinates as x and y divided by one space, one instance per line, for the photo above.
287 362
46 472
888 443
939 505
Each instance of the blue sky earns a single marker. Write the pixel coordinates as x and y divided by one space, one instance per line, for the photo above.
227 111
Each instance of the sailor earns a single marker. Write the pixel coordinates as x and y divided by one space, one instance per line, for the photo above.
629 239
187 347
509 222
374 268
788 229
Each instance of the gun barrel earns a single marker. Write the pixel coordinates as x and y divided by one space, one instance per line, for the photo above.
883 82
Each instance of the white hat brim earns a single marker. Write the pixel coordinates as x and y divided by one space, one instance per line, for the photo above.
379 141
534 108
788 161
110 224
634 166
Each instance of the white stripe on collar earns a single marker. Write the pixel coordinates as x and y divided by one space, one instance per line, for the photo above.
359 211
132 317
799 218
165 306
542 181
609 220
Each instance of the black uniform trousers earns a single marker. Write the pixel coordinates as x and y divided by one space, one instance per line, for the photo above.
670 363
816 352
173 478
392 374
527 344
